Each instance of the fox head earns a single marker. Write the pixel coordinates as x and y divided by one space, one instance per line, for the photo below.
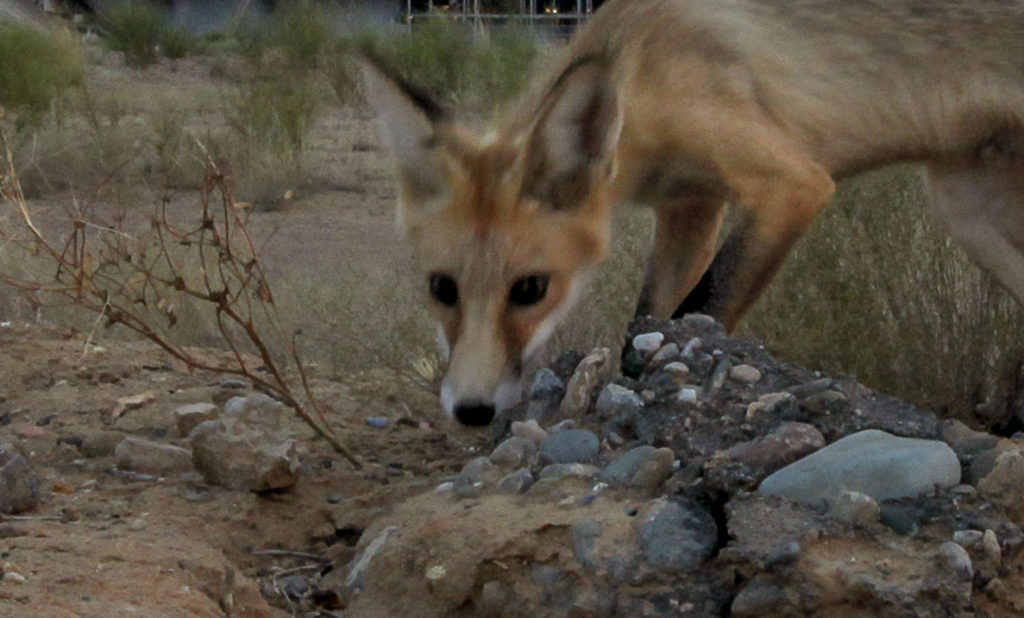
506 228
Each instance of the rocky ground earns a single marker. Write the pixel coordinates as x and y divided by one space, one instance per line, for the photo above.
711 481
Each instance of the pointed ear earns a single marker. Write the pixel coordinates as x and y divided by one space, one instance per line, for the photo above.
411 122
572 144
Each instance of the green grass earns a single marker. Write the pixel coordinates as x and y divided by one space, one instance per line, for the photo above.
141 30
36 67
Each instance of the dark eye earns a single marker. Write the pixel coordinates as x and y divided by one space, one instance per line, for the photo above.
444 289
528 290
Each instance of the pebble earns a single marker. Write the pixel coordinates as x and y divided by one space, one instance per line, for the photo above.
745 374
871 462
152 457
569 446
617 399
465 487
787 443
679 371
968 539
513 453
644 466
516 482
768 403
687 395
677 537
589 372
233 384
801 391
1004 485
14 577
480 469
990 545
854 508
648 342
187 417
19 485
958 558
546 393
554 472
530 430
666 353
377 422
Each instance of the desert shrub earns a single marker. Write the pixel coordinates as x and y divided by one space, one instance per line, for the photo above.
36 66
140 29
292 40
876 290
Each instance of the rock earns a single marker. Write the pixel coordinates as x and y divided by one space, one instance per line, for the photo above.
769 403
615 399
788 443
151 457
584 533
19 484
513 453
186 418
667 353
515 482
648 342
101 443
559 471
990 545
246 448
802 391
870 462
1004 485
132 402
759 597
377 422
465 487
569 446
676 537
480 470
679 371
745 374
643 466
546 394
852 507
495 597
581 385
958 558
687 395
968 539
530 430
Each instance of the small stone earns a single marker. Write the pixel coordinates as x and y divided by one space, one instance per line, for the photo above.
667 353
807 389
968 539
786 444
233 384
1004 485
854 508
465 487
530 430
480 469
295 586
745 374
436 572
43 421
101 443
558 471
151 457
546 393
188 417
562 426
513 453
958 558
615 399
495 597
687 395
137 525
377 422
768 403
333 499
587 376
515 482
655 470
133 402
569 446
648 342
622 469
758 598
19 485
14 577
677 370
990 545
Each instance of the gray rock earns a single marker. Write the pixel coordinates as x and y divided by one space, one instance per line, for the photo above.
687 395
558 471
968 539
676 537
377 422
515 482
745 374
769 403
648 342
569 446
615 399
584 533
1004 485
667 353
530 430
871 462
801 391
854 508
465 487
188 417
151 457
513 453
958 558
643 466
679 371
480 469
546 393
990 546
246 448
101 443
19 484
759 597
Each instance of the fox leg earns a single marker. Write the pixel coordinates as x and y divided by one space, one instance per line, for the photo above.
684 243
982 206
781 192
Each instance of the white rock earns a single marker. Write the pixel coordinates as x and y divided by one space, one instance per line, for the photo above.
648 342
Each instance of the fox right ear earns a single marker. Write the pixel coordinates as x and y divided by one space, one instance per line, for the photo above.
411 121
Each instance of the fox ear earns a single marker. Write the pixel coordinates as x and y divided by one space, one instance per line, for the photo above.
411 121
573 141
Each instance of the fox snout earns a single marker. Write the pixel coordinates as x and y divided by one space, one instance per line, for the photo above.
481 382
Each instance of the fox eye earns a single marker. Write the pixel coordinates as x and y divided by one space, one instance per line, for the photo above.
444 289
528 290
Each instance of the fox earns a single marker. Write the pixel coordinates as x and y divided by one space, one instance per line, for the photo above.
692 107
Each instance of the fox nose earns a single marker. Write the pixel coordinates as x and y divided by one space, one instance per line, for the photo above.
474 413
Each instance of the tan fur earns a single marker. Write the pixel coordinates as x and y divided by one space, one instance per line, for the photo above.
689 105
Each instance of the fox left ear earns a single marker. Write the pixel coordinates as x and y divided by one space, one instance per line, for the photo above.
573 141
